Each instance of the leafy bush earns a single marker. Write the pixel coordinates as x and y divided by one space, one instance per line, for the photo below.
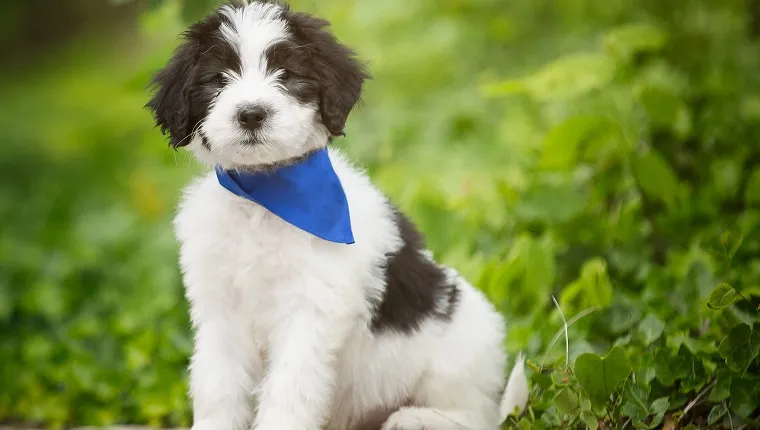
637 205
93 323
619 173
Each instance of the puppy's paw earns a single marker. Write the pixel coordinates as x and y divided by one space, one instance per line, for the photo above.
283 424
217 425
408 419
204 425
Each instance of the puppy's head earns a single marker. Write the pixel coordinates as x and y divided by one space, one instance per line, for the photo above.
256 84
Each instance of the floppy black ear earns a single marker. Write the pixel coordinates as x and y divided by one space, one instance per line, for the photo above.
171 102
340 75
342 86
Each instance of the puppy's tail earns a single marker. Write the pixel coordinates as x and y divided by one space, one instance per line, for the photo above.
515 396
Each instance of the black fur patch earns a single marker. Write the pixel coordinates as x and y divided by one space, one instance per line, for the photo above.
204 142
301 79
416 287
321 64
192 79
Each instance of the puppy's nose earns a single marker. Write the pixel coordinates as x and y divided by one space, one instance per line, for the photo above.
251 117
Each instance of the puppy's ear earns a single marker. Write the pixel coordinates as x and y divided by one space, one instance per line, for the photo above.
171 102
340 75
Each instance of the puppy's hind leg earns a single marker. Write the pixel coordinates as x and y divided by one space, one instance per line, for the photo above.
463 386
448 407
455 394
480 413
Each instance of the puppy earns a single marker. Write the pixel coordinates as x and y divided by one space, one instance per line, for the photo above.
298 328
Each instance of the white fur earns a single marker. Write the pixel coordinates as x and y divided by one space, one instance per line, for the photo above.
289 131
517 393
282 318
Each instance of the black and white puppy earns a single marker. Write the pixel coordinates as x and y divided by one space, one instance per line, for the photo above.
294 332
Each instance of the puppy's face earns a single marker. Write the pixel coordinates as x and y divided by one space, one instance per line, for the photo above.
256 84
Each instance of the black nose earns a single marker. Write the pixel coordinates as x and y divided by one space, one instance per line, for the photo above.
251 117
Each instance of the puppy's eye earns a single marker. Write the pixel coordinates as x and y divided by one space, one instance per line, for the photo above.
220 79
285 75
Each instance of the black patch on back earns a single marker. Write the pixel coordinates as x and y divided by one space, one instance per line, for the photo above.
416 287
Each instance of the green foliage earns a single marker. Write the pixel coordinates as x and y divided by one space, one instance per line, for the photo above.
602 152
722 297
600 376
660 245
651 328
740 347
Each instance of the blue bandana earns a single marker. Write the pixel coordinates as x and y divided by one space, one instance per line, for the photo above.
307 195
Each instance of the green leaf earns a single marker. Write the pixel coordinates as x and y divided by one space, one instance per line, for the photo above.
716 413
651 328
666 110
635 403
550 418
669 368
592 288
585 402
632 39
752 190
658 409
619 319
722 297
561 377
590 420
550 203
525 424
563 142
533 366
531 262
722 389
656 178
725 177
637 407
566 402
660 406
503 88
623 340
644 370
709 365
600 376
695 346
571 76
740 347
744 395
539 268
695 379
731 240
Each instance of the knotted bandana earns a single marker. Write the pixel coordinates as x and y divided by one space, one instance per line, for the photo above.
307 194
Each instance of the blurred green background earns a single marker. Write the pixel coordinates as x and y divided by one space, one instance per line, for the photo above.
604 152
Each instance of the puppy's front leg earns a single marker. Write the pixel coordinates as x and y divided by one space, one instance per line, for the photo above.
224 371
297 391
